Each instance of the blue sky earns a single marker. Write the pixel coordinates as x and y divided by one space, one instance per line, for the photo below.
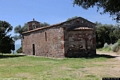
18 12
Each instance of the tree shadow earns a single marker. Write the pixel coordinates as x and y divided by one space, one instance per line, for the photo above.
93 56
102 56
10 56
87 57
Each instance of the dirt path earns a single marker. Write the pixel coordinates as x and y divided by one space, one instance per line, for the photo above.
110 53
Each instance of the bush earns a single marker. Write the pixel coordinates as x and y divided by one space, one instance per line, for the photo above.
106 45
107 49
19 50
115 47
118 42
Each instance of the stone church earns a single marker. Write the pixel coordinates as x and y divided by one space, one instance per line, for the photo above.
72 38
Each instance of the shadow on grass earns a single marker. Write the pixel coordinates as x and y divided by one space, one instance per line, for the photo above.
10 56
95 56
102 56
87 57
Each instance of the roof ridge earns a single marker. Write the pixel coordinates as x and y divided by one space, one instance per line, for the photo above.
40 28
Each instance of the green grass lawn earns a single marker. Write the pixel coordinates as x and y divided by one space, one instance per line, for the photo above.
14 67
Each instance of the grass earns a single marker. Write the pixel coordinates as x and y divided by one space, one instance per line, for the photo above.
15 67
107 49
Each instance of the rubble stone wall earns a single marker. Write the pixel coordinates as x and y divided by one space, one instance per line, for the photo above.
48 42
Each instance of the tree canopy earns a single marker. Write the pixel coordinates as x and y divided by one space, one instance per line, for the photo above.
5 27
44 24
109 6
72 18
106 33
19 30
6 41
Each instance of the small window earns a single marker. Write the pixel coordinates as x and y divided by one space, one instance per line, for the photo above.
45 36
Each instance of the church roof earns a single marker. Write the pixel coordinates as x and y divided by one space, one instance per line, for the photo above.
55 25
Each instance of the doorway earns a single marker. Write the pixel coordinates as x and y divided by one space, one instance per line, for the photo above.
33 45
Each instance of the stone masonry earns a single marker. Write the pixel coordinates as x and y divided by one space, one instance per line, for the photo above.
73 38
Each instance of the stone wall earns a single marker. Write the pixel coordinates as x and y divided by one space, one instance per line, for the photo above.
60 40
48 42
33 24
80 43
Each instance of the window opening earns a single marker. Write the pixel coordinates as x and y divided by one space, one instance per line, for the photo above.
33 45
45 36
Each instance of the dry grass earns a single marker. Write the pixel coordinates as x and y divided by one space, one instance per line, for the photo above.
39 68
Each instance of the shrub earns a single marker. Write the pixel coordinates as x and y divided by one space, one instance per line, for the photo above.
115 47
118 42
107 49
106 45
19 50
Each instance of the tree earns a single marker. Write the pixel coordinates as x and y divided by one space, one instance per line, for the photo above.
7 45
109 6
6 41
19 50
44 24
106 34
5 27
19 30
72 18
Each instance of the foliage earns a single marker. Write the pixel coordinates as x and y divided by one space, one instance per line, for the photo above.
44 24
112 47
18 30
118 42
7 45
5 27
72 18
106 45
106 34
115 47
19 50
6 41
108 6
106 49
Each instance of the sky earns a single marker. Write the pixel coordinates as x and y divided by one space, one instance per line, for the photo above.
18 12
